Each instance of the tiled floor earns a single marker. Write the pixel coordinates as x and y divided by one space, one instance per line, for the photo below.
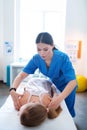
4 92
81 111
80 106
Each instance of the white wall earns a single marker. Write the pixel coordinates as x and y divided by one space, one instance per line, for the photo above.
6 34
1 39
76 29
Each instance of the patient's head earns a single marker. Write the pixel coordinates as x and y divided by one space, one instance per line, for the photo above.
33 114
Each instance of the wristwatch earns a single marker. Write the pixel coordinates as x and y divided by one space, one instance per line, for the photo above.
12 89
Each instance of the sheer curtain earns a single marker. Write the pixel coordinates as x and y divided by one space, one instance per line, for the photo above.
37 16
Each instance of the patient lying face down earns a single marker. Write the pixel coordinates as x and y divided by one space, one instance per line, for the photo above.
34 103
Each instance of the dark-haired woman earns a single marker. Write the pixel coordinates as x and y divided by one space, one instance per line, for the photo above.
54 64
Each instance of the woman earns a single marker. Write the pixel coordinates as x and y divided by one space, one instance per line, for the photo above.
54 64
37 95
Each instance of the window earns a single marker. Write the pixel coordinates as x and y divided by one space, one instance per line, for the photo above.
36 16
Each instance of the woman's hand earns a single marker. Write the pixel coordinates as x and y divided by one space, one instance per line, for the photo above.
45 99
15 96
55 102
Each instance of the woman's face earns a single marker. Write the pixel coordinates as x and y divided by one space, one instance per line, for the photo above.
45 50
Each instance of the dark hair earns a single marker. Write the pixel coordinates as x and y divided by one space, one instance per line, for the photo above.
35 115
45 37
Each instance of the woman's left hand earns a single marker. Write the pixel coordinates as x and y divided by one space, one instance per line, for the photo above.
55 102
45 99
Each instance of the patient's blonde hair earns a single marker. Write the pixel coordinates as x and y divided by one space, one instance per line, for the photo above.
35 115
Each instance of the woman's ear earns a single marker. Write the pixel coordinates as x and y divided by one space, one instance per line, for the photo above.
47 109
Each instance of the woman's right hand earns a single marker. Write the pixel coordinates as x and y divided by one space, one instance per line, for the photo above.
15 96
45 99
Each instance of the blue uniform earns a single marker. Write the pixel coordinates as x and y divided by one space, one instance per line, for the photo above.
60 72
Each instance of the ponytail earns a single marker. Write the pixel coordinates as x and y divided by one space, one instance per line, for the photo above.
54 113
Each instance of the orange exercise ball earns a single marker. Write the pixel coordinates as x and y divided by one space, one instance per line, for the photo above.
82 83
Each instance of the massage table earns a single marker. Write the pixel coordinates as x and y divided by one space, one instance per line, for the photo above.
9 118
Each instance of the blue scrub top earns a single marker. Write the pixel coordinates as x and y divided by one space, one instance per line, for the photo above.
60 70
